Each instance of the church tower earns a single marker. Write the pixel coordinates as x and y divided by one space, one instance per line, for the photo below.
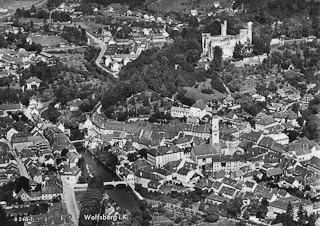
215 130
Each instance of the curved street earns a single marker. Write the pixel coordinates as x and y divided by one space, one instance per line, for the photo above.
103 48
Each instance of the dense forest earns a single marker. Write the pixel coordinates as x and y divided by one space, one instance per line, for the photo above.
165 71
292 18
132 3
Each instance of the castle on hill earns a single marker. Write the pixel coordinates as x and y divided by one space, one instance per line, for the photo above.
226 42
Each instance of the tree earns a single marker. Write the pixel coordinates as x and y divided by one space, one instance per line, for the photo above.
242 223
53 114
234 207
238 51
272 87
216 63
262 209
64 152
312 220
302 216
295 107
289 211
285 219
3 216
22 182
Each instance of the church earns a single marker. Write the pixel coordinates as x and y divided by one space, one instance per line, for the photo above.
226 42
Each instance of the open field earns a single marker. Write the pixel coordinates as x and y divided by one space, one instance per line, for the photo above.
90 26
12 5
48 40
196 93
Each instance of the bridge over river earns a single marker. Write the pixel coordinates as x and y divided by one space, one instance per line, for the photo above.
78 187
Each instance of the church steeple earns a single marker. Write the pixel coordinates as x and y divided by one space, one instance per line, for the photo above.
215 130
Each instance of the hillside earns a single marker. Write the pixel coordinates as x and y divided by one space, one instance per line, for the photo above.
182 6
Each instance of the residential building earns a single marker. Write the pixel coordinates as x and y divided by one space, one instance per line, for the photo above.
162 155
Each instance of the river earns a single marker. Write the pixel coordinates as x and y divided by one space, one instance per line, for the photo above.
122 196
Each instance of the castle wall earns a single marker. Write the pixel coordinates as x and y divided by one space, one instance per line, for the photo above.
226 42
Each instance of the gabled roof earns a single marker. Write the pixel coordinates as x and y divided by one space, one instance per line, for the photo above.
217 198
199 104
33 79
154 184
266 121
207 150
183 171
274 172
315 162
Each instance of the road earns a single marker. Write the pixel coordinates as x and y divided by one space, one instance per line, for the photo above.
71 203
103 48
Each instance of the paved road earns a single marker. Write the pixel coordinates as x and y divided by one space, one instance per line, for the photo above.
103 48
71 203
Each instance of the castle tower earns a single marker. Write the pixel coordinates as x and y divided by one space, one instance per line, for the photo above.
249 27
205 37
224 29
215 130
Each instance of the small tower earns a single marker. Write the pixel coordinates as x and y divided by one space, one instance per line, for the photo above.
215 130
249 27
224 29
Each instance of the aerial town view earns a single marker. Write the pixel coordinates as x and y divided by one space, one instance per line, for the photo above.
160 112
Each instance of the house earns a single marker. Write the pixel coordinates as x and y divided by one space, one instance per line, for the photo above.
216 199
314 165
10 132
184 175
273 172
203 154
226 163
194 12
249 186
5 108
270 144
74 104
311 38
154 185
227 192
32 83
280 138
280 206
198 110
163 155
289 182
29 142
264 123
67 174
143 177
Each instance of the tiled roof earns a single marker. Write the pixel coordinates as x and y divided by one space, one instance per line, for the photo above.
200 104
207 150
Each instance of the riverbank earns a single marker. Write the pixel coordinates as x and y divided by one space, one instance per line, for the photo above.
123 196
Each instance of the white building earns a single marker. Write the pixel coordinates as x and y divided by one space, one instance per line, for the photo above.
179 112
163 155
32 83
280 138
198 110
226 42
